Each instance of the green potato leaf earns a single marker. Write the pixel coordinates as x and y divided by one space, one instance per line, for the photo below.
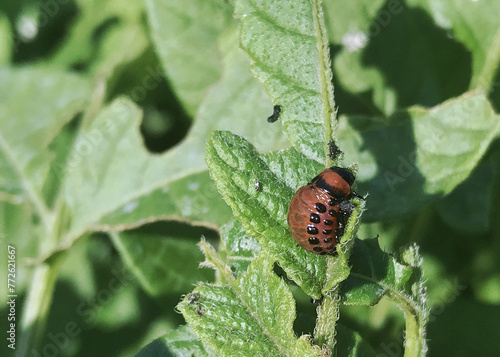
248 316
289 50
418 154
238 249
235 166
476 26
27 131
163 263
186 35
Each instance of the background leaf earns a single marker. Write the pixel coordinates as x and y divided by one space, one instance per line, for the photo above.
370 64
26 135
352 344
95 19
5 40
193 198
418 154
164 260
114 135
186 35
476 27
472 199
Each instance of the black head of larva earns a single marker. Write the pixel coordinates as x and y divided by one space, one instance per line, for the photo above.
345 174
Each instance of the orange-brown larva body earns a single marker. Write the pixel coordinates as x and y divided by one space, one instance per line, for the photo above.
318 210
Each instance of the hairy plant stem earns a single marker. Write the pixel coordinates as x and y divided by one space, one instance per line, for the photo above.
415 343
326 321
329 113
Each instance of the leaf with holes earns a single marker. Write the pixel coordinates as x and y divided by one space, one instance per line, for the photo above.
186 35
105 190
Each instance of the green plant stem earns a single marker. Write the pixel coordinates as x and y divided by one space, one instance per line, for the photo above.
41 291
326 321
329 113
415 344
37 307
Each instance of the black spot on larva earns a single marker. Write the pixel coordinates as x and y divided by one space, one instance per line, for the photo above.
328 222
327 240
333 213
331 202
311 229
318 249
327 231
313 241
314 218
330 247
320 207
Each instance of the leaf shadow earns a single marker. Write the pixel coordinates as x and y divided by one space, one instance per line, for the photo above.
395 186
419 60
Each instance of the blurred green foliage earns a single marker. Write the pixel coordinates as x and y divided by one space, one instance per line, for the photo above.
105 109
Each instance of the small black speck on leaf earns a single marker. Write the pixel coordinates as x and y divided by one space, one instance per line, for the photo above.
276 114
